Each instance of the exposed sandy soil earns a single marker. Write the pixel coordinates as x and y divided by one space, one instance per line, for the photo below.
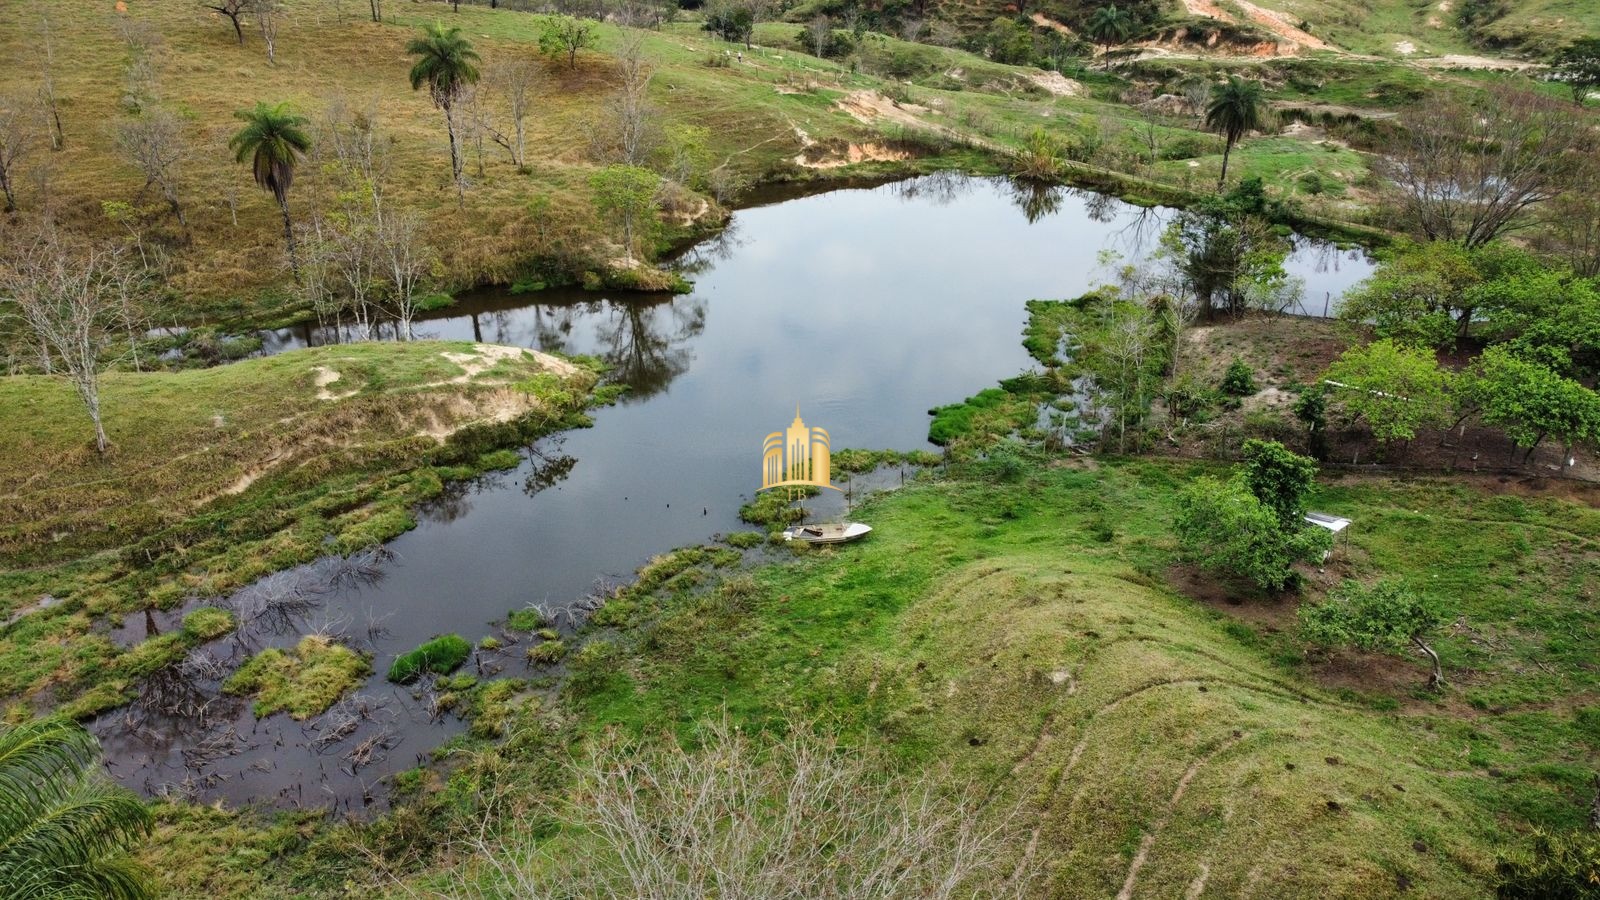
816 156
1056 83
1044 21
1461 61
869 107
1291 38
1279 24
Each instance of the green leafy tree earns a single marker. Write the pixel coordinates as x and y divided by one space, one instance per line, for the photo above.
1235 110
732 20
273 140
1395 390
1529 402
1420 295
1009 41
626 195
1225 528
1578 67
567 35
64 830
1383 616
447 64
1280 479
1229 257
1108 26
1311 408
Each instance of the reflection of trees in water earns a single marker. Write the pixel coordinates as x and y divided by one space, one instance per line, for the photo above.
707 253
1142 233
1036 199
549 468
1100 208
940 188
646 344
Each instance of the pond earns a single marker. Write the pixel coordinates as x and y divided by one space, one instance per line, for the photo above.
864 308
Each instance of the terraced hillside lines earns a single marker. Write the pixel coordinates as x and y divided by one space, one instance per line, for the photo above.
1164 756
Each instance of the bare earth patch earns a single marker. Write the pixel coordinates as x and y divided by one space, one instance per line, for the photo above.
1057 84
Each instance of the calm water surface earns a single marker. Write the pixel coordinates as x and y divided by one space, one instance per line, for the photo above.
863 307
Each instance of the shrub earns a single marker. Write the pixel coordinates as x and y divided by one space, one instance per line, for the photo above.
528 618
208 623
593 667
1225 529
1042 157
303 682
800 809
744 540
1279 479
547 653
1382 616
1551 866
441 656
1239 380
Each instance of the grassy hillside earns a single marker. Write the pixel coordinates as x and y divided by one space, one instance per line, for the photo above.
934 106
1033 636
1398 28
218 476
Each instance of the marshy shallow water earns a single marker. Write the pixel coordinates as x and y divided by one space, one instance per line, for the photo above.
864 307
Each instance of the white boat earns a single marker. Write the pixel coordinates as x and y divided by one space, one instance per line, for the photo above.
826 534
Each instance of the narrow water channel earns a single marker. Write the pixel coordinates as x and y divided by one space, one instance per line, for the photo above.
863 308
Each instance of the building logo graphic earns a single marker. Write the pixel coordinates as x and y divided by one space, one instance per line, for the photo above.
796 458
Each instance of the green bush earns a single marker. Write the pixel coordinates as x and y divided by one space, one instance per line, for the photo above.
1239 380
1551 866
526 619
441 656
207 623
1225 529
547 652
744 540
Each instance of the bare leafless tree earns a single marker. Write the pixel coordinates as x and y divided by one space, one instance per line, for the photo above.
1467 171
269 14
1572 219
47 78
819 33
233 10
797 816
155 141
1197 96
377 9
361 151
140 78
75 300
404 259
634 126
19 129
513 83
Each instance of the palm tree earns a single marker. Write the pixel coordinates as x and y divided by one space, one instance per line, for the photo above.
1234 110
273 139
63 828
446 63
1109 26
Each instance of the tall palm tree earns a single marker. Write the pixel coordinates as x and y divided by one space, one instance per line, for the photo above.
1108 27
273 139
1235 109
63 827
447 64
